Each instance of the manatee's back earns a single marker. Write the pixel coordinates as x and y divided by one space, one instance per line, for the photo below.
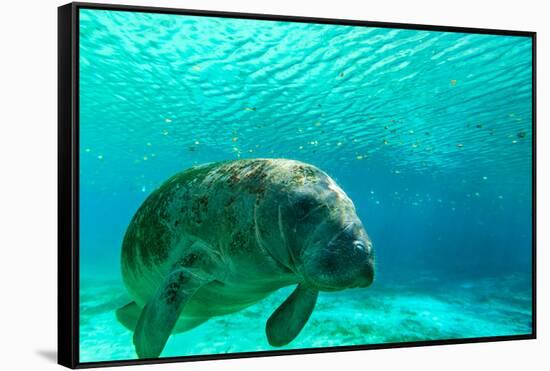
153 230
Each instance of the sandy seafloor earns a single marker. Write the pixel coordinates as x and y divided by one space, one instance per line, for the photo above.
425 309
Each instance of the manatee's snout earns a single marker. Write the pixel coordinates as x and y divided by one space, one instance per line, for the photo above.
344 260
365 264
354 245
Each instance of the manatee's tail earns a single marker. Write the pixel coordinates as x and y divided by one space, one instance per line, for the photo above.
160 315
128 315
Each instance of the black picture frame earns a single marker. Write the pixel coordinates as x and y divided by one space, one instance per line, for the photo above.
68 182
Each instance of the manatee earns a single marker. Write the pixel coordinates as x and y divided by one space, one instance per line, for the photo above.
217 238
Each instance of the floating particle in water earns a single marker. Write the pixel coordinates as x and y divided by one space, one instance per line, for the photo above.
414 145
521 134
460 145
196 68
411 131
484 178
377 202
143 189
386 127
338 144
397 172
145 158
197 142
318 123
301 147
314 142
371 192
251 109
479 126
385 141
149 144
359 157
415 203
234 139
453 82
476 194
87 150
514 141
511 114
167 120
250 150
439 200
100 157
235 149
165 132
500 197
153 155
453 208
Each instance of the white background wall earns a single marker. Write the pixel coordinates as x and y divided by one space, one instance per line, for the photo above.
28 152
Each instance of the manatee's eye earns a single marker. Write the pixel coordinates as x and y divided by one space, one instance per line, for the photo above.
303 206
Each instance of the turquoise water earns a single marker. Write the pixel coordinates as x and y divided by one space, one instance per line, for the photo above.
429 133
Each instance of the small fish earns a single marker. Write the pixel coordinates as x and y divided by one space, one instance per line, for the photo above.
522 134
250 109
460 145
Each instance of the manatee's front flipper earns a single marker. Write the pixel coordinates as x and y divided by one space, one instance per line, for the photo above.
162 311
128 315
288 320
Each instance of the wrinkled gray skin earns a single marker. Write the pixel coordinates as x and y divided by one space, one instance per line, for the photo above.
217 238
